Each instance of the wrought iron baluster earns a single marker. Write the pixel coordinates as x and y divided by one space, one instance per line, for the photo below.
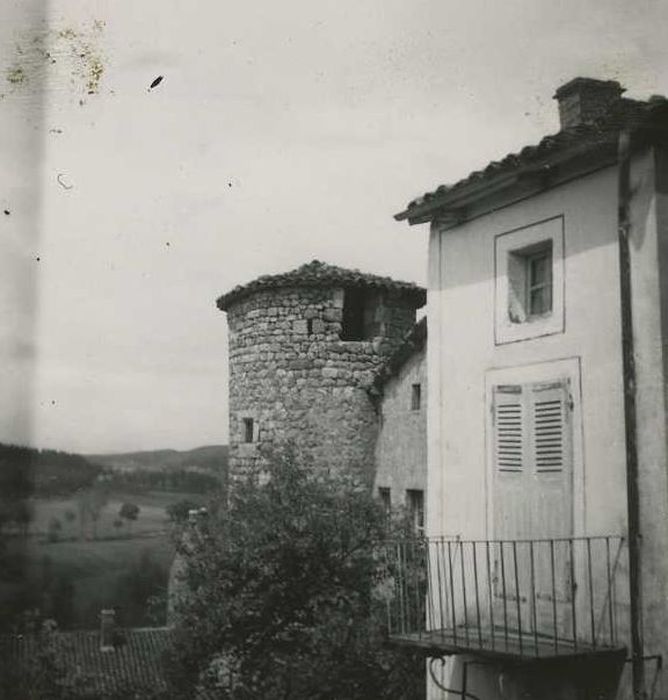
611 633
591 594
503 590
452 592
554 599
463 577
440 564
489 588
533 598
573 590
477 594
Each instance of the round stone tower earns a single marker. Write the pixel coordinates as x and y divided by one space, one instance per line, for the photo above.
303 349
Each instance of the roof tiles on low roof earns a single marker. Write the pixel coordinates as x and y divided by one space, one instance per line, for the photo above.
413 342
320 274
623 114
133 664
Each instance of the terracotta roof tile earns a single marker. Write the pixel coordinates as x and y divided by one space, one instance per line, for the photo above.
624 113
413 342
320 274
134 663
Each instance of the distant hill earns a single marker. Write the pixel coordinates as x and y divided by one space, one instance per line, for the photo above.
210 458
25 471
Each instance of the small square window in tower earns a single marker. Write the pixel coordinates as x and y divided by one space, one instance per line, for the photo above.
248 429
530 283
416 397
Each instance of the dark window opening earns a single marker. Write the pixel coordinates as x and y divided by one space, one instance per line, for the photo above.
361 314
385 496
415 505
248 429
352 323
416 397
309 326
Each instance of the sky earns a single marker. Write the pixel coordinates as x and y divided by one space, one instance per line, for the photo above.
280 133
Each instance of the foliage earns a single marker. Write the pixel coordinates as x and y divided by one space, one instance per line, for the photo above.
37 675
178 512
91 503
25 471
285 595
140 588
184 480
129 511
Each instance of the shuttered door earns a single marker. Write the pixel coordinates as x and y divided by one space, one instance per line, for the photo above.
532 481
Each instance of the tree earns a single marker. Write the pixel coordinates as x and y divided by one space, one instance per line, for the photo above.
178 512
37 675
129 512
91 503
284 595
143 580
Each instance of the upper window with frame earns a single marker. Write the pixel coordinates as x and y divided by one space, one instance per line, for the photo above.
529 294
530 283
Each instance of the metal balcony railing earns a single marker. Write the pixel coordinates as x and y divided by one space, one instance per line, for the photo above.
517 598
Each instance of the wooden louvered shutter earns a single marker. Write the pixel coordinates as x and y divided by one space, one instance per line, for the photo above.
550 448
509 429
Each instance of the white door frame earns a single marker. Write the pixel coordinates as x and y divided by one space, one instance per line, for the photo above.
539 372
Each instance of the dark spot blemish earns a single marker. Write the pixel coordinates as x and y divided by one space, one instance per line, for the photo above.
156 82
229 184
167 244
7 212
62 183
38 258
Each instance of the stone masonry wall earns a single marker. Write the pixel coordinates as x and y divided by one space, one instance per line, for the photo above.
306 387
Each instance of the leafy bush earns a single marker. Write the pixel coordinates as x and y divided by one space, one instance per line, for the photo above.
129 511
178 512
284 595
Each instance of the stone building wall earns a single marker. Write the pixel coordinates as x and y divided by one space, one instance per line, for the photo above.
292 375
401 448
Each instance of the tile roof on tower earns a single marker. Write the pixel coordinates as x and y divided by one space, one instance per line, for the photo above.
320 274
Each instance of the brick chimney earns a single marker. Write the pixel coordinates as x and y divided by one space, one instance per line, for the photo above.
107 629
582 100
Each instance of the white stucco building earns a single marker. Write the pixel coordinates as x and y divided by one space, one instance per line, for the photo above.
547 492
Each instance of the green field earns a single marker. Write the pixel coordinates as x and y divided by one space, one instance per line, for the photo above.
74 577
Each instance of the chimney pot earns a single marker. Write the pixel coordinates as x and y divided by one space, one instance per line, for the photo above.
582 100
107 629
